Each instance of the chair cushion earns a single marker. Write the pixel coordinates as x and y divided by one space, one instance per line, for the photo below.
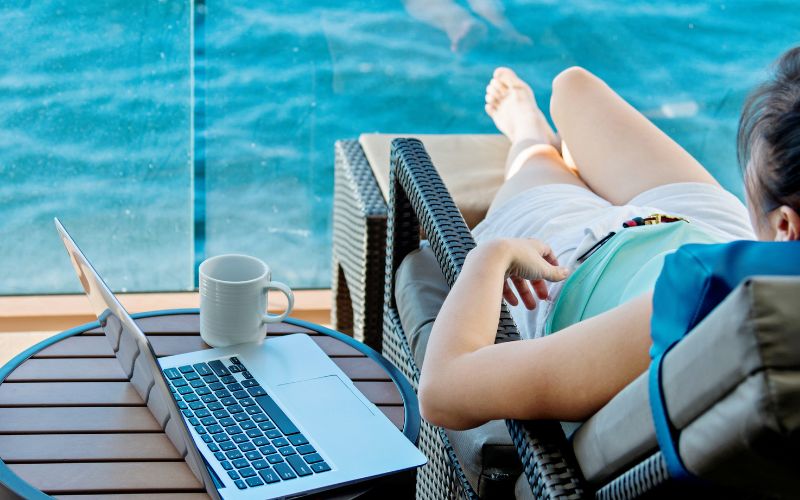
419 291
732 387
486 453
472 166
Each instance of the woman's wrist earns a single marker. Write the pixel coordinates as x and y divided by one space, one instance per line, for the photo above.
495 252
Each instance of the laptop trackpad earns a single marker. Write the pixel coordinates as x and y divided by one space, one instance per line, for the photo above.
324 398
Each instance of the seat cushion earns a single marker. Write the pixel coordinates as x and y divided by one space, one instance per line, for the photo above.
486 453
732 387
419 291
472 166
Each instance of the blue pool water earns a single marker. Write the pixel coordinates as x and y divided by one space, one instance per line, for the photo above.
96 128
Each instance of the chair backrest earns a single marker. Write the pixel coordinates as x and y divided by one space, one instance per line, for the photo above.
472 166
732 388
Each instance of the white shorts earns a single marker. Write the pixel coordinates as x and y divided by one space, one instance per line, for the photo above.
571 219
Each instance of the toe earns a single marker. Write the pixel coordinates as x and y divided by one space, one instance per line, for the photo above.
492 94
499 87
510 79
505 74
496 91
513 82
490 110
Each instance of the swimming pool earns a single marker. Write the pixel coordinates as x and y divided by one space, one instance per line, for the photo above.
97 124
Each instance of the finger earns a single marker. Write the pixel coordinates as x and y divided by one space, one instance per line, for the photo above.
551 258
524 292
553 273
540 287
547 253
508 294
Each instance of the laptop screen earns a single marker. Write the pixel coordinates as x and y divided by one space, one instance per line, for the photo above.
137 359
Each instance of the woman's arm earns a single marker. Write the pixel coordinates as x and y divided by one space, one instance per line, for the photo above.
468 380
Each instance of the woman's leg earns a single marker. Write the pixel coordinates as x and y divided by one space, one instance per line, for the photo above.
534 159
536 166
618 152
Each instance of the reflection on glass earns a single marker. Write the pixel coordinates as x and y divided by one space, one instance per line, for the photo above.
464 27
94 128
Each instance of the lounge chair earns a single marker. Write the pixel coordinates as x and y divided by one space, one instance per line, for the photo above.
738 414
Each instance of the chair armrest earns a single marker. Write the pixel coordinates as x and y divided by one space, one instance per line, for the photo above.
359 246
418 197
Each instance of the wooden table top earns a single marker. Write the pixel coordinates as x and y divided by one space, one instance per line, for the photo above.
72 425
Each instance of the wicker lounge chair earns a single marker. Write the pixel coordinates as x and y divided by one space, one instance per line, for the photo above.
614 455
361 192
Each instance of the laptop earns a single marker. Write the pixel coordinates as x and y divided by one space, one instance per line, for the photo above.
271 419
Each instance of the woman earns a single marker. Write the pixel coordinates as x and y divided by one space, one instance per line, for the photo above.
619 166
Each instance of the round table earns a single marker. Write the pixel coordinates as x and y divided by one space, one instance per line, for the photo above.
72 424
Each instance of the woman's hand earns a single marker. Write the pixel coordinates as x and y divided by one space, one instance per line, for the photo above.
529 263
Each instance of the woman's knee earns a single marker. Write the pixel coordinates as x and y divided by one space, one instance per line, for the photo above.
568 87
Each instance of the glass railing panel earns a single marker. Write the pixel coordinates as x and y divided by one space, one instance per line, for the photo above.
287 78
95 111
95 129
269 137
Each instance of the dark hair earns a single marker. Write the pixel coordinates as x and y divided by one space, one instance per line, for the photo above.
769 137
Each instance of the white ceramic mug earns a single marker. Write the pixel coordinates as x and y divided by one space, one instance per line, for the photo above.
233 300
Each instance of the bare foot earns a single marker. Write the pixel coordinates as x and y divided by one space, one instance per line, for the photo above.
511 104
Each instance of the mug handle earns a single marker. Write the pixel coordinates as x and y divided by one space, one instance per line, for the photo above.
276 318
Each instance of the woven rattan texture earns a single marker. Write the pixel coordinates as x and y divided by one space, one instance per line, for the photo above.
649 479
637 481
442 476
418 191
546 459
359 238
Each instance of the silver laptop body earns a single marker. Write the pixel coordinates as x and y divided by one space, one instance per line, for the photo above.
264 420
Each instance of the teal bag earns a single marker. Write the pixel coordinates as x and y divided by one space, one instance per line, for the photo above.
623 268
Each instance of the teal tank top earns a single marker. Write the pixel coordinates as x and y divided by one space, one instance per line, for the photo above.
626 266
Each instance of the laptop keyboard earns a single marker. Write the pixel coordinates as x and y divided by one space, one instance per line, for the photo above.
247 432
